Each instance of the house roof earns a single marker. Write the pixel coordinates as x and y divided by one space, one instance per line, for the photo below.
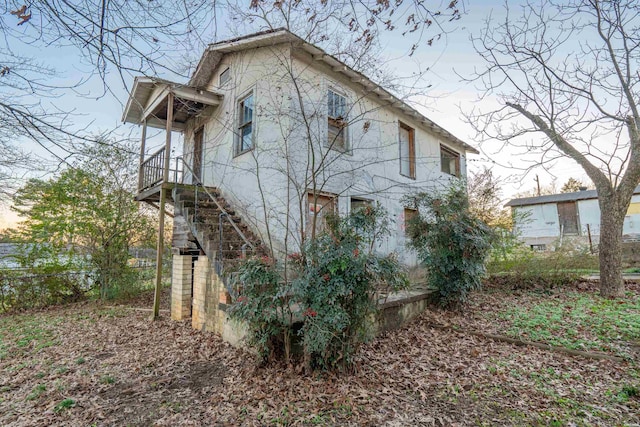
214 53
556 198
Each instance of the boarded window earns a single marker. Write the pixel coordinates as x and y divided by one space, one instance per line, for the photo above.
568 216
449 161
320 205
407 151
198 138
337 121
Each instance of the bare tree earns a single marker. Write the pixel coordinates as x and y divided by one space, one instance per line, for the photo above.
102 38
163 37
485 199
569 71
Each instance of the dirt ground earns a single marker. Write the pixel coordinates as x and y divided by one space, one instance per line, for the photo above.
92 364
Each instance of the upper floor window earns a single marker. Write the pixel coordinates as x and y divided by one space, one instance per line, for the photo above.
245 124
407 151
337 120
225 76
450 161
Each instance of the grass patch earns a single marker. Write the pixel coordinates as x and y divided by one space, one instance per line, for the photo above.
27 333
107 379
576 321
37 392
64 405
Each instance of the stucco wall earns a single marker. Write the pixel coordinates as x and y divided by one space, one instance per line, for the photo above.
589 213
280 162
632 220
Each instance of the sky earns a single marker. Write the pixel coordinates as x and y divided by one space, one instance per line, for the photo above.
446 101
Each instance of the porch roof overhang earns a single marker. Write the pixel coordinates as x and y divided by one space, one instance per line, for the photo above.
149 99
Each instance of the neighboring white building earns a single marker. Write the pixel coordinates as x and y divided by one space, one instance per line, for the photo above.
542 221
269 119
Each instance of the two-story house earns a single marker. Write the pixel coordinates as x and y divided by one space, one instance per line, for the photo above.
276 133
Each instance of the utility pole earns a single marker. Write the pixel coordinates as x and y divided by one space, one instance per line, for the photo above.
538 184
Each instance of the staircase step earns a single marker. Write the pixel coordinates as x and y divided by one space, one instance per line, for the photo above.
189 194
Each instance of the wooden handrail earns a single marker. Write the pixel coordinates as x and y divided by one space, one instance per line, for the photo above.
220 208
152 169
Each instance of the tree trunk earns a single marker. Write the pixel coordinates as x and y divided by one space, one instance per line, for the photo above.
610 248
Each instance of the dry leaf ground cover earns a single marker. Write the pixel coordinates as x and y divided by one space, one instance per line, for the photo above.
89 364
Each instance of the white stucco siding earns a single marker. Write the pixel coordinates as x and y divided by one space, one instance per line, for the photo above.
371 168
589 213
248 178
537 221
272 179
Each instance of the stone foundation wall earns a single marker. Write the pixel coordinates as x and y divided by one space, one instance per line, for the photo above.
396 313
208 307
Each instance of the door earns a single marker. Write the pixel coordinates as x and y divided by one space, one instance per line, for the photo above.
568 216
198 138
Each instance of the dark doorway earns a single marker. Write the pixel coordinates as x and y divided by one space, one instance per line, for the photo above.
198 138
568 215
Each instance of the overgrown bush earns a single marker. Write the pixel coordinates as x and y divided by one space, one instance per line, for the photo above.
86 216
451 243
332 294
522 268
336 286
41 278
265 306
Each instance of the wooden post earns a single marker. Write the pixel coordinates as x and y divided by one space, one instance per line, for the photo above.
163 200
143 142
589 234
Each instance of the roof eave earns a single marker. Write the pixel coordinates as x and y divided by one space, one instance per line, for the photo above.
214 52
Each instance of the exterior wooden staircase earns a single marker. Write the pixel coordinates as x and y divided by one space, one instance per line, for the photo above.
215 228
204 222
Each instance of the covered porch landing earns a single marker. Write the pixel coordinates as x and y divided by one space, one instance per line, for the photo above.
167 105
162 104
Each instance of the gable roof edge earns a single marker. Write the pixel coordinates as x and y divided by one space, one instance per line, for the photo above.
215 51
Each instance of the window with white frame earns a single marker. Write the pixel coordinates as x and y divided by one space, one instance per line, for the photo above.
245 124
337 120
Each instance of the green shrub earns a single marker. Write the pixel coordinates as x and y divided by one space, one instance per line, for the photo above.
451 243
265 306
332 294
336 286
41 277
